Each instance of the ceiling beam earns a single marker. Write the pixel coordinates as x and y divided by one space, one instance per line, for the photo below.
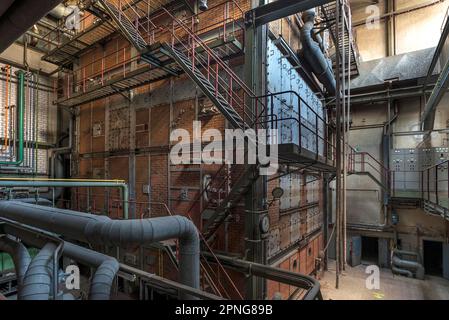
279 9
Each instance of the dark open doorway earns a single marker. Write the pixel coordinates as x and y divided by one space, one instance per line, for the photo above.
433 257
370 250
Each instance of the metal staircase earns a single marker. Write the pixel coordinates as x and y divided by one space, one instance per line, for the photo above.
127 28
364 164
372 177
206 87
218 83
83 86
223 209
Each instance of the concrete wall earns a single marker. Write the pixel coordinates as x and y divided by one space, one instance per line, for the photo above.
415 30
363 206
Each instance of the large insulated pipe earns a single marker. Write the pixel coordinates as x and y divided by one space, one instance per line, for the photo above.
20 17
106 266
413 266
311 52
403 272
55 183
123 233
202 5
20 256
37 281
20 116
268 272
38 201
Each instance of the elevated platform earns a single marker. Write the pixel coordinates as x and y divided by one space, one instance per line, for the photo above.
155 65
71 49
72 46
407 202
293 154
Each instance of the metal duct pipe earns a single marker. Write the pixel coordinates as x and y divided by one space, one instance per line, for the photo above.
20 256
37 280
100 288
38 201
20 17
61 11
57 166
123 233
413 266
313 55
279 275
36 183
403 272
107 267
202 5
20 117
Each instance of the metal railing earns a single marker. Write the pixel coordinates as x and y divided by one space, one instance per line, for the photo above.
431 184
305 126
119 63
206 60
59 35
364 162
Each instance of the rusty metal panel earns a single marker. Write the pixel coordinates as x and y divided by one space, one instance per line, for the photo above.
119 129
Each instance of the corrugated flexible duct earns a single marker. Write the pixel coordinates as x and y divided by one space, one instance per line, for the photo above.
107 267
123 233
313 55
37 280
20 256
398 262
202 5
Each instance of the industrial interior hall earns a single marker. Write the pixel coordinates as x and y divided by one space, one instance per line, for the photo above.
224 149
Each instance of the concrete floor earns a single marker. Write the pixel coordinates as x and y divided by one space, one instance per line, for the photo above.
392 287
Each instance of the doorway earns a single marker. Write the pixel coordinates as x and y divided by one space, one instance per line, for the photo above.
433 257
370 250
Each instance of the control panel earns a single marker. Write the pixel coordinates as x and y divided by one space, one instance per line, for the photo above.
407 164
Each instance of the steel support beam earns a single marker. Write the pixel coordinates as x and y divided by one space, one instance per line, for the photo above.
279 9
428 117
255 74
438 51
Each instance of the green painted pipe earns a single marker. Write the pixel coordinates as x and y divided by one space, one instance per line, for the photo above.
56 184
20 115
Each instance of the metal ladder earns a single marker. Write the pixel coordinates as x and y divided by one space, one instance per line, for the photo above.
346 37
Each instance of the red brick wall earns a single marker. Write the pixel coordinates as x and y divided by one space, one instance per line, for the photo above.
301 261
153 125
